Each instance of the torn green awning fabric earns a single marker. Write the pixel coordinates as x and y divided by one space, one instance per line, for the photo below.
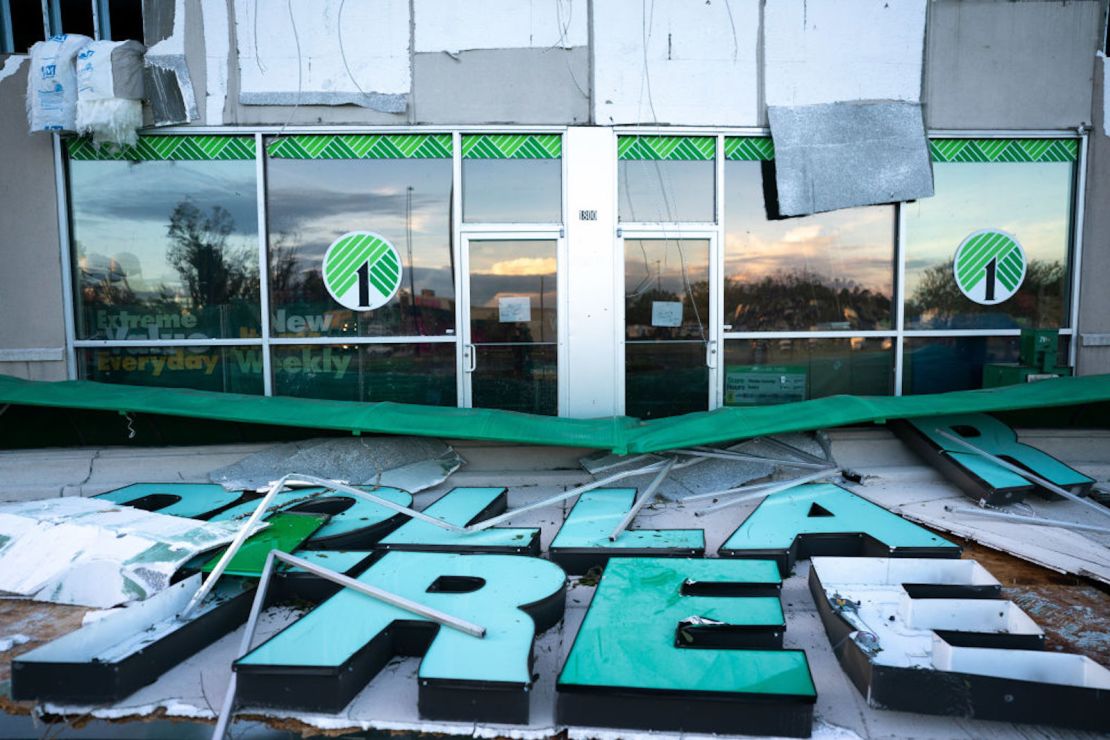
620 434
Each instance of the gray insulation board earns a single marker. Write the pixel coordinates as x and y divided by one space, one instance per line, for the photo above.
842 155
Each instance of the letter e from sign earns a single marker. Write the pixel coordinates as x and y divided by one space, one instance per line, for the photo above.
684 645
936 636
321 661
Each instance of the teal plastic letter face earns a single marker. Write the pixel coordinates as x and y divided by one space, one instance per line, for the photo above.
465 506
678 644
320 662
354 522
823 519
979 477
190 500
583 540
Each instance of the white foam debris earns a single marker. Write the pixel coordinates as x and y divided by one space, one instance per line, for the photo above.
7 643
12 65
95 553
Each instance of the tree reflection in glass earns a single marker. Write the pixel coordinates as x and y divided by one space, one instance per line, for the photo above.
826 272
165 250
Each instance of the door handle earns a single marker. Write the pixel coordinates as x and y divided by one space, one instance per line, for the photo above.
711 354
470 357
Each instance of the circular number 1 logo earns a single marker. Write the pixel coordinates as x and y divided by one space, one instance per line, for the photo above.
989 266
362 270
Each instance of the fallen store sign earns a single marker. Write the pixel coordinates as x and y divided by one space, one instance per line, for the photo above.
933 636
947 442
687 645
823 519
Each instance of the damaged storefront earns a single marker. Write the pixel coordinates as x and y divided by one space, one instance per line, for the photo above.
558 368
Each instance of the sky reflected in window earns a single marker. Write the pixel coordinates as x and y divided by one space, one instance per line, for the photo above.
513 191
829 271
1031 201
666 191
165 250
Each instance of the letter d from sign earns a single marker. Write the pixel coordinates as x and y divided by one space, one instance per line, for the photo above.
676 644
321 661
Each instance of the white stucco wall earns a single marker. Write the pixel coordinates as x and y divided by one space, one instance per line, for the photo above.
823 51
700 64
375 36
458 25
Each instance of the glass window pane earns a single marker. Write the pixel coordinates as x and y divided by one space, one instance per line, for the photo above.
826 272
939 364
512 291
312 202
665 378
225 369
126 17
27 26
666 288
1031 201
405 373
513 191
666 191
76 17
516 377
165 250
769 371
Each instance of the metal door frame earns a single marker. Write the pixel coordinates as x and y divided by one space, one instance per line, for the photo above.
714 348
464 355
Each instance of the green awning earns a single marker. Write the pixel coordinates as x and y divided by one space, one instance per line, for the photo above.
620 434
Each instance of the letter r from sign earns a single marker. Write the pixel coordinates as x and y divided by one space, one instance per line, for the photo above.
678 644
321 661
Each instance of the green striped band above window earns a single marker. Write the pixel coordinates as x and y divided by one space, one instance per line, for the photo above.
749 148
167 148
667 147
1004 150
362 146
512 146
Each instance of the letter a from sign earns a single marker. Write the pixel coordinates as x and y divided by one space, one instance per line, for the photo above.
823 519
321 661
683 645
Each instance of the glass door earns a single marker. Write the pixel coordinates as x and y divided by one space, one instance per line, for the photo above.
510 338
670 337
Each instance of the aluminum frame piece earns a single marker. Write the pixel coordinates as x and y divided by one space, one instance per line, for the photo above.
344 510
824 519
979 478
131 649
842 155
718 667
465 507
942 687
582 542
330 687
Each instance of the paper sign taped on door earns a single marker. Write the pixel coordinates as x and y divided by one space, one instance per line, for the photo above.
513 309
666 313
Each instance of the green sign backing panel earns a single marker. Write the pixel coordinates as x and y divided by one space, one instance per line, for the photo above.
749 148
680 148
166 149
512 146
1004 150
285 533
362 146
